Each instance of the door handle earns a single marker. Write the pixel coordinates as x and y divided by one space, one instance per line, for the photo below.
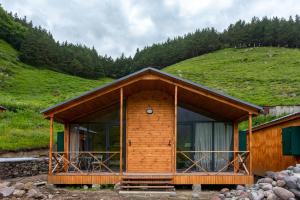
129 142
169 143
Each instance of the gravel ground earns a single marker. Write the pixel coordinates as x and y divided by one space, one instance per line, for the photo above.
51 192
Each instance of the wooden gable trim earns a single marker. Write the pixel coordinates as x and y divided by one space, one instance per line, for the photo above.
203 93
93 97
151 76
277 122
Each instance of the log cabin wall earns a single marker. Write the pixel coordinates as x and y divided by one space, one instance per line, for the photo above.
267 149
150 139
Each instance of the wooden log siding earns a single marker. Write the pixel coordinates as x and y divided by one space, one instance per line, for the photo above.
149 136
267 149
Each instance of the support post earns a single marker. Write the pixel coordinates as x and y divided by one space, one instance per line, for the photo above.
250 142
121 131
175 128
50 145
66 144
236 145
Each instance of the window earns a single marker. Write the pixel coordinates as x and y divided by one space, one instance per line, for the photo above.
197 134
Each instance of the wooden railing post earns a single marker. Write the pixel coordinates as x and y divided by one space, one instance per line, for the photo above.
50 145
236 145
175 129
66 144
121 131
250 142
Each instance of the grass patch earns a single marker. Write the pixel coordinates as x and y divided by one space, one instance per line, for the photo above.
264 76
25 91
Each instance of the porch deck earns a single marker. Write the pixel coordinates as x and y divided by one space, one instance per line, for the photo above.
178 178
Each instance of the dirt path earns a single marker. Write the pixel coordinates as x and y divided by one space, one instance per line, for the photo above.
51 192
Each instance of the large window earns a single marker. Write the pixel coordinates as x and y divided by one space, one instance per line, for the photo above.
98 133
199 137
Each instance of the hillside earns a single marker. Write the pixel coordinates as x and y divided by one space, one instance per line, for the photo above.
25 90
263 76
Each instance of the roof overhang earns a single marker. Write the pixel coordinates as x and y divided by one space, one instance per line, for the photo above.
190 93
278 121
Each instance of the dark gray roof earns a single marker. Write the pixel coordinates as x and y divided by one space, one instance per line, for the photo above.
2 108
275 121
150 69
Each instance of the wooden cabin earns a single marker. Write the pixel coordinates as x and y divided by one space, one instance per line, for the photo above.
276 144
151 125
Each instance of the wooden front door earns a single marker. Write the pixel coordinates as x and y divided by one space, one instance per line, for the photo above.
150 136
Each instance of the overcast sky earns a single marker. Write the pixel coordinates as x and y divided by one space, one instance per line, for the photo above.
114 26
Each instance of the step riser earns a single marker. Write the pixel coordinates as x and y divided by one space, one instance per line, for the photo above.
147 183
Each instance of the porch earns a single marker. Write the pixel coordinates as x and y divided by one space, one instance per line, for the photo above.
92 168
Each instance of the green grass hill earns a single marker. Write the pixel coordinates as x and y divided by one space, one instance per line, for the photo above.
264 76
25 91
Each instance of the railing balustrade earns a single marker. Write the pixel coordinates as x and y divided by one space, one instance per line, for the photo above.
86 162
212 162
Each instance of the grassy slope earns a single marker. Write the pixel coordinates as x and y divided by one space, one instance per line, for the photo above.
25 90
264 76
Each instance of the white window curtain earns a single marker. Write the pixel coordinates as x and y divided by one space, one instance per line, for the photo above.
74 142
222 142
215 136
203 142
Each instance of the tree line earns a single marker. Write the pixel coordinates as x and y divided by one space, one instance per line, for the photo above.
38 47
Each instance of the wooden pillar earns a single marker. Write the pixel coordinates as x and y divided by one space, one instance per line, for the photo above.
50 145
175 128
250 142
66 144
236 145
121 131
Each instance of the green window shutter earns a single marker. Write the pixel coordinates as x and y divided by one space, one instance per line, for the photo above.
295 140
286 141
60 141
291 140
243 140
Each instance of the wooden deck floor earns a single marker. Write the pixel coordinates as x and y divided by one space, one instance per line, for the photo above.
178 178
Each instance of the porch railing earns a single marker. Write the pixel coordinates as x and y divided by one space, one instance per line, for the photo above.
86 162
212 162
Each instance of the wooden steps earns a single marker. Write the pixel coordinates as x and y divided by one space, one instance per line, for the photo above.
147 183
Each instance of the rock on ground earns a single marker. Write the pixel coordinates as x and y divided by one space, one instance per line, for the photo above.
283 193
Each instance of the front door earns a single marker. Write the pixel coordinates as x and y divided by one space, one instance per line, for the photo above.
149 135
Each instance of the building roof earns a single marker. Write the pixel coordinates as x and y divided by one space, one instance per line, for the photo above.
158 73
277 121
2 108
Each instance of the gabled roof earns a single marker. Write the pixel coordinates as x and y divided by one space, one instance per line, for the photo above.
277 121
157 73
2 108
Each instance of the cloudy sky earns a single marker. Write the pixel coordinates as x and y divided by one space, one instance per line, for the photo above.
115 26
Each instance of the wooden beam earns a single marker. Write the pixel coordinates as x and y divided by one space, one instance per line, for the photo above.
236 144
93 111
51 145
66 143
121 131
175 127
250 142
91 97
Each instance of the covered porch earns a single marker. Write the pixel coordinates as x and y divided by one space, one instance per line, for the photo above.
151 125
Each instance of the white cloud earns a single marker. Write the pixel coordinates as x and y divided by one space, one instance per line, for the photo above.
116 26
